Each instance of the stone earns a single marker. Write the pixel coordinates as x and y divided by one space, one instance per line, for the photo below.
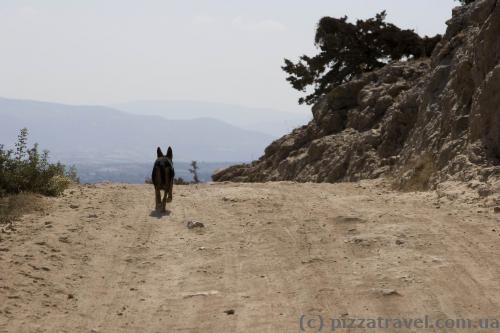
389 292
195 224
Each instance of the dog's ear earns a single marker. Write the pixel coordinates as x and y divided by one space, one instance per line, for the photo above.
159 153
169 153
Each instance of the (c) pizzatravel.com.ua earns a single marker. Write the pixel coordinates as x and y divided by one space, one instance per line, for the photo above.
319 323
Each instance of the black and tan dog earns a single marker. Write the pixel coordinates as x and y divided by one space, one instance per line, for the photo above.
163 178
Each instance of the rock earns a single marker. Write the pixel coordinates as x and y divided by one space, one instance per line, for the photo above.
201 293
73 206
496 209
423 121
484 191
312 260
389 292
348 219
195 224
399 242
229 312
64 239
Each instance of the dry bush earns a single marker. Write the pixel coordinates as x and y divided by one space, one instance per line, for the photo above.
417 176
177 181
181 181
12 207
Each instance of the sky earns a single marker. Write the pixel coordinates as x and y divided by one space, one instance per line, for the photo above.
231 51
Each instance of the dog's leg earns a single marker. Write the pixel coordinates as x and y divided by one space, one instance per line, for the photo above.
158 198
171 185
164 201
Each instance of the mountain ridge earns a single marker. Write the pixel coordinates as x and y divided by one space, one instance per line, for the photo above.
99 132
267 120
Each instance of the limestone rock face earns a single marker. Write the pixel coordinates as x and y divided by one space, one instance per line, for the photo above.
423 121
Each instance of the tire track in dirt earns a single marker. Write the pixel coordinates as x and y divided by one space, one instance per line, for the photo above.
123 263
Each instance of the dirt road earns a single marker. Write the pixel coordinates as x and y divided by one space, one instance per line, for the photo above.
99 261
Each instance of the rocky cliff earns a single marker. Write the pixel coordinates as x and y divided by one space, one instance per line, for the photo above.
421 121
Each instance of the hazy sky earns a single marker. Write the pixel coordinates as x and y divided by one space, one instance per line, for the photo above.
110 51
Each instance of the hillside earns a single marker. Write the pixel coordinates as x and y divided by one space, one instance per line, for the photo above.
272 122
422 122
100 134
98 260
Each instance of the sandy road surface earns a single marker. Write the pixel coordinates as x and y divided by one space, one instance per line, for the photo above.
99 262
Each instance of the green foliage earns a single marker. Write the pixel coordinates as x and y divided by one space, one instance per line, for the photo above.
27 170
347 49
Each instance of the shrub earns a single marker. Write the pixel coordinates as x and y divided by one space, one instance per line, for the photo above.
180 181
27 170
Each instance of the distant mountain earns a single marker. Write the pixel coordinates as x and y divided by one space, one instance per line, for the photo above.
272 122
77 134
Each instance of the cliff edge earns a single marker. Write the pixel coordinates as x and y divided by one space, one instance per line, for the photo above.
422 121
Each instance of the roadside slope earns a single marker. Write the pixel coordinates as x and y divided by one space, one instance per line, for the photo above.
437 119
99 262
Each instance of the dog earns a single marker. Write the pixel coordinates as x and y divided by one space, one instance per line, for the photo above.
163 178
